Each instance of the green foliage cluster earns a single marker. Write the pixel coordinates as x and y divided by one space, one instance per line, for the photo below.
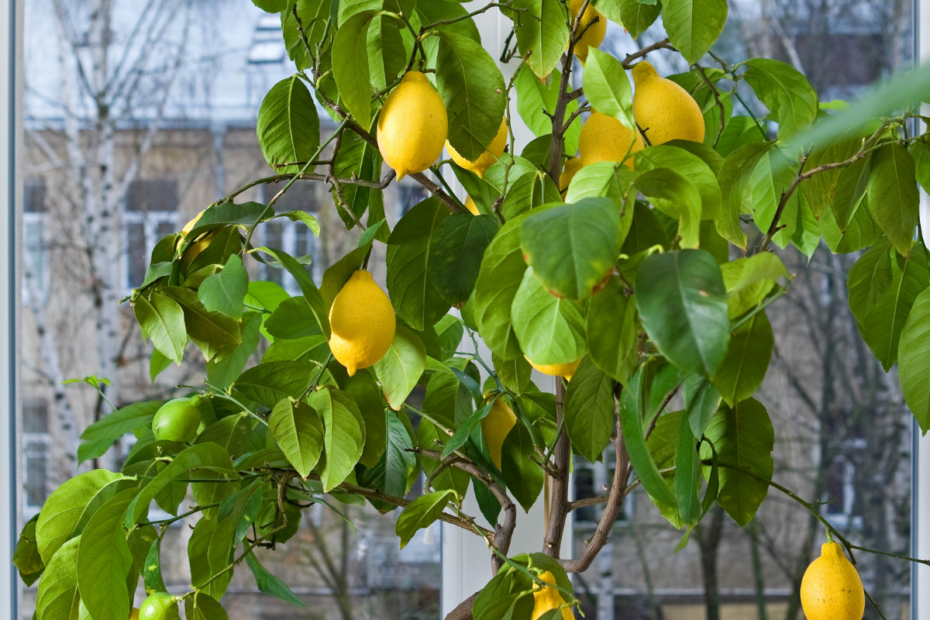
630 274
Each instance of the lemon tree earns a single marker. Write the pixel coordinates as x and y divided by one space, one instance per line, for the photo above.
627 251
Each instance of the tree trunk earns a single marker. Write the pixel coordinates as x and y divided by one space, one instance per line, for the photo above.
708 538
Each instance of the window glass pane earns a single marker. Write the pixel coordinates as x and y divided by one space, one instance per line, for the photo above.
36 465
136 255
146 195
34 196
35 416
299 197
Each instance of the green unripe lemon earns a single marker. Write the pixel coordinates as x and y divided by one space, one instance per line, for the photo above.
177 420
159 606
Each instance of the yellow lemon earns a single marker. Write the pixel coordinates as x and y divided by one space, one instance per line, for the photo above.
592 36
159 606
471 206
604 138
190 225
194 250
413 126
486 159
569 170
547 599
831 589
557 370
363 323
663 109
134 614
495 426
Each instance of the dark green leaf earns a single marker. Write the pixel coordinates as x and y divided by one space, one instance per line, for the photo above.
351 71
456 250
269 382
735 179
307 287
288 126
225 291
702 400
523 476
784 91
914 360
682 303
893 197
747 360
542 32
344 434
270 584
589 410
610 325
401 367
297 429
687 475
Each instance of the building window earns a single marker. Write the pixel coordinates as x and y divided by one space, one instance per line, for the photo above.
267 42
408 196
35 247
36 443
590 481
294 238
151 213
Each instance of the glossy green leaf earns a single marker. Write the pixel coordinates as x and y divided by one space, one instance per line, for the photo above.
204 607
288 126
682 303
689 166
420 514
893 197
523 476
610 326
677 197
162 320
542 32
412 293
211 331
749 280
298 430
344 434
573 247
747 360
914 360
744 438
269 382
550 329
225 291
104 560
536 98
58 595
222 373
735 180
456 250
607 87
472 89
693 25
351 73
589 409
687 475
401 367
307 287
784 91
702 400
270 584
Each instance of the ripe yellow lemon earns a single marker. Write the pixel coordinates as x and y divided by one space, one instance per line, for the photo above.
413 126
134 614
363 323
831 588
190 225
495 427
663 109
592 36
569 170
194 250
556 370
177 420
604 138
159 606
486 159
547 598
471 206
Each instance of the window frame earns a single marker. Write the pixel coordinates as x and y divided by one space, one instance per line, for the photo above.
150 221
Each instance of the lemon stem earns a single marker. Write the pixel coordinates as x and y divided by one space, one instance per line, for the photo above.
830 536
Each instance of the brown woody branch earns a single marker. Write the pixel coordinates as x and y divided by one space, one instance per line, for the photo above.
663 44
618 490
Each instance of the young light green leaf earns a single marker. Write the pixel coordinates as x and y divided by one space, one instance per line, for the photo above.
297 429
222 373
535 99
288 126
69 505
421 513
104 560
58 595
269 382
202 606
870 278
401 367
749 280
